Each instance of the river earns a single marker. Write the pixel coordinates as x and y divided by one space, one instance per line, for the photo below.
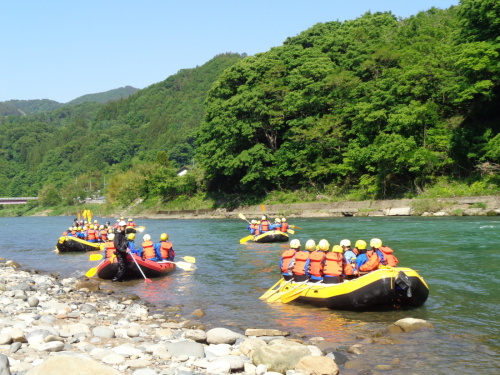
459 257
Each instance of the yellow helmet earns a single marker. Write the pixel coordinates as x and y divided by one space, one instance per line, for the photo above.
131 236
375 242
323 245
91 226
361 245
310 245
79 228
283 219
129 219
337 249
163 237
294 244
146 237
95 221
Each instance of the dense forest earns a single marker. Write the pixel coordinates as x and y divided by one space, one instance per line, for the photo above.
376 107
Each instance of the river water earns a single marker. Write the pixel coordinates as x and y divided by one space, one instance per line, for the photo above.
459 257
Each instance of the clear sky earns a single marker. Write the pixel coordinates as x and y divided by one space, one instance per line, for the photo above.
63 49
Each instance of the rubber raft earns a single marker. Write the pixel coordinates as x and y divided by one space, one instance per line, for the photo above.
151 269
271 236
73 244
397 287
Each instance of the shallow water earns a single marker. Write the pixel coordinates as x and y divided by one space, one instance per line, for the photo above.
459 258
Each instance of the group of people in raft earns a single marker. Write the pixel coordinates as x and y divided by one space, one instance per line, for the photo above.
319 263
257 227
94 232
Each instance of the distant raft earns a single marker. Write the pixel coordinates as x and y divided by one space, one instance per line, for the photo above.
151 269
68 244
389 288
271 236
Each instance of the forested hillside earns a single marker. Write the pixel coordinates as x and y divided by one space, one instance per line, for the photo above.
377 104
376 107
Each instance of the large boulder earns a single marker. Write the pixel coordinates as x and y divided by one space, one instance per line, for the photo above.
67 364
280 355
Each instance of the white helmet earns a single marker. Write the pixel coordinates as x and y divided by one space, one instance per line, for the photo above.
323 245
146 237
345 243
310 245
375 242
122 224
294 244
111 236
254 221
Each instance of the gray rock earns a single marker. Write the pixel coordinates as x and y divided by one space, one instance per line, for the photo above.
104 332
37 336
196 335
188 348
248 346
265 332
280 355
4 365
66 364
222 336
236 362
5 339
52 346
14 347
412 324
317 365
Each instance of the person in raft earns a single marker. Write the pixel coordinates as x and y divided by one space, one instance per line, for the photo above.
302 261
253 227
265 225
367 260
284 225
121 246
317 261
109 246
288 259
276 225
131 243
336 266
385 253
147 250
165 248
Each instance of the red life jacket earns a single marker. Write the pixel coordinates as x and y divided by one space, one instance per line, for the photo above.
284 227
333 264
299 268
110 249
287 257
104 235
165 248
91 234
148 250
390 258
316 264
264 225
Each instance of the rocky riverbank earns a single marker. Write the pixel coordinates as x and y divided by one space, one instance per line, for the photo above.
72 326
458 206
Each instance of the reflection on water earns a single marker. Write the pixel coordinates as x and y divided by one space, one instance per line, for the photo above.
458 257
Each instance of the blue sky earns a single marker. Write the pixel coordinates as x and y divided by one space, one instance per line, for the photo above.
63 49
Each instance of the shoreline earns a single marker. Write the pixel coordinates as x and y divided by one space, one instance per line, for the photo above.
47 323
435 207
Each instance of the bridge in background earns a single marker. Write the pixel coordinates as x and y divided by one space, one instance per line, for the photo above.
17 200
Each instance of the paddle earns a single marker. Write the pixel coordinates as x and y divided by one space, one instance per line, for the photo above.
295 227
246 239
182 265
293 294
91 272
95 257
189 259
278 295
140 269
242 217
271 290
291 231
140 229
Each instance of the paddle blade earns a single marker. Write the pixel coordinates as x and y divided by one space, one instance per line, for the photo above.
91 272
291 231
95 257
246 239
140 229
241 216
189 259
271 290
293 294
185 266
295 227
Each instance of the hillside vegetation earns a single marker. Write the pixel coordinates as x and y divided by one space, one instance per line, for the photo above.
372 108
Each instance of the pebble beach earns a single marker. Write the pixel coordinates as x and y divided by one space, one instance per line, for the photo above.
50 325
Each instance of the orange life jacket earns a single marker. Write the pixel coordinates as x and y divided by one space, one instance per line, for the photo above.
333 264
104 235
301 257
148 250
110 249
372 263
286 258
316 264
65 233
255 227
91 234
73 232
284 227
264 225
390 258
165 248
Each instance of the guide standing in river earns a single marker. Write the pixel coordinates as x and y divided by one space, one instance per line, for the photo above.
121 246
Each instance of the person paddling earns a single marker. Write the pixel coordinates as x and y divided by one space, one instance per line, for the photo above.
288 259
121 245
